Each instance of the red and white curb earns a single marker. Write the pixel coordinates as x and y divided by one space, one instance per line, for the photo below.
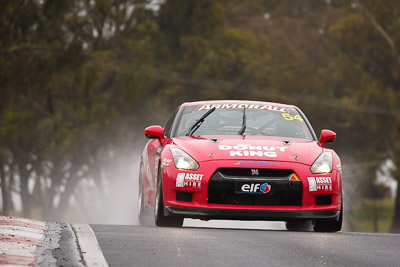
19 239
25 242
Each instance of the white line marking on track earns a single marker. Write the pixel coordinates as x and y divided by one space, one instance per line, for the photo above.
88 246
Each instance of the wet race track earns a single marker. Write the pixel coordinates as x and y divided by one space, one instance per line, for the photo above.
193 246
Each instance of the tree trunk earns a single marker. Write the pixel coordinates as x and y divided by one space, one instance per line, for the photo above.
24 192
5 194
11 185
65 196
395 227
376 216
50 193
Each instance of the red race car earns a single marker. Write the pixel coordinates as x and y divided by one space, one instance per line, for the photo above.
245 160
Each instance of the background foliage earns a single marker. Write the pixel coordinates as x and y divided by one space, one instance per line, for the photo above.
80 79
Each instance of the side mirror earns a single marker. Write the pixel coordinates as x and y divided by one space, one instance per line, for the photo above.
154 132
327 136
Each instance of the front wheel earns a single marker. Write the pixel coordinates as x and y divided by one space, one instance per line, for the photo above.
144 216
299 225
329 225
159 217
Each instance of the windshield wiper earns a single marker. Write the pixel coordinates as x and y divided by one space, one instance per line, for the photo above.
198 123
241 132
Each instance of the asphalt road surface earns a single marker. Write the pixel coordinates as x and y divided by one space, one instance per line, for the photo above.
192 246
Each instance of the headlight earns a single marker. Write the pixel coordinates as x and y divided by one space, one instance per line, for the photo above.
323 164
182 160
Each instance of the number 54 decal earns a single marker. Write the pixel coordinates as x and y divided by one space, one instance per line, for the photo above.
289 117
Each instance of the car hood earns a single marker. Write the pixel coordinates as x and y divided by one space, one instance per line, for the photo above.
205 148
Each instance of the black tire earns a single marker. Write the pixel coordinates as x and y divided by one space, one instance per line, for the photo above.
159 218
144 215
330 225
299 225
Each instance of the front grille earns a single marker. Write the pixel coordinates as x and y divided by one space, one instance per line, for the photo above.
276 174
223 188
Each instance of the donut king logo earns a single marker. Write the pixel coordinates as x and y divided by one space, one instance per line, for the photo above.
255 188
241 150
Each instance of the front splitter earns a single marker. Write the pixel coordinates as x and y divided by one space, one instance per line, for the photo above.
251 215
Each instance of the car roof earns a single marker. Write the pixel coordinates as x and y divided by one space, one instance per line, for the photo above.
210 102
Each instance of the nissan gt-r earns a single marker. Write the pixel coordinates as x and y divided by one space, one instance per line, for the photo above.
240 160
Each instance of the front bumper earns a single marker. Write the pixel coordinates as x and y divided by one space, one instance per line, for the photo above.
255 215
285 201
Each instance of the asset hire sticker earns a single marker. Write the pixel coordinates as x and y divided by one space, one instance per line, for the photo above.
189 180
319 184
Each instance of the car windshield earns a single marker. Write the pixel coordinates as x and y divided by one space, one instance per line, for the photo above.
264 120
